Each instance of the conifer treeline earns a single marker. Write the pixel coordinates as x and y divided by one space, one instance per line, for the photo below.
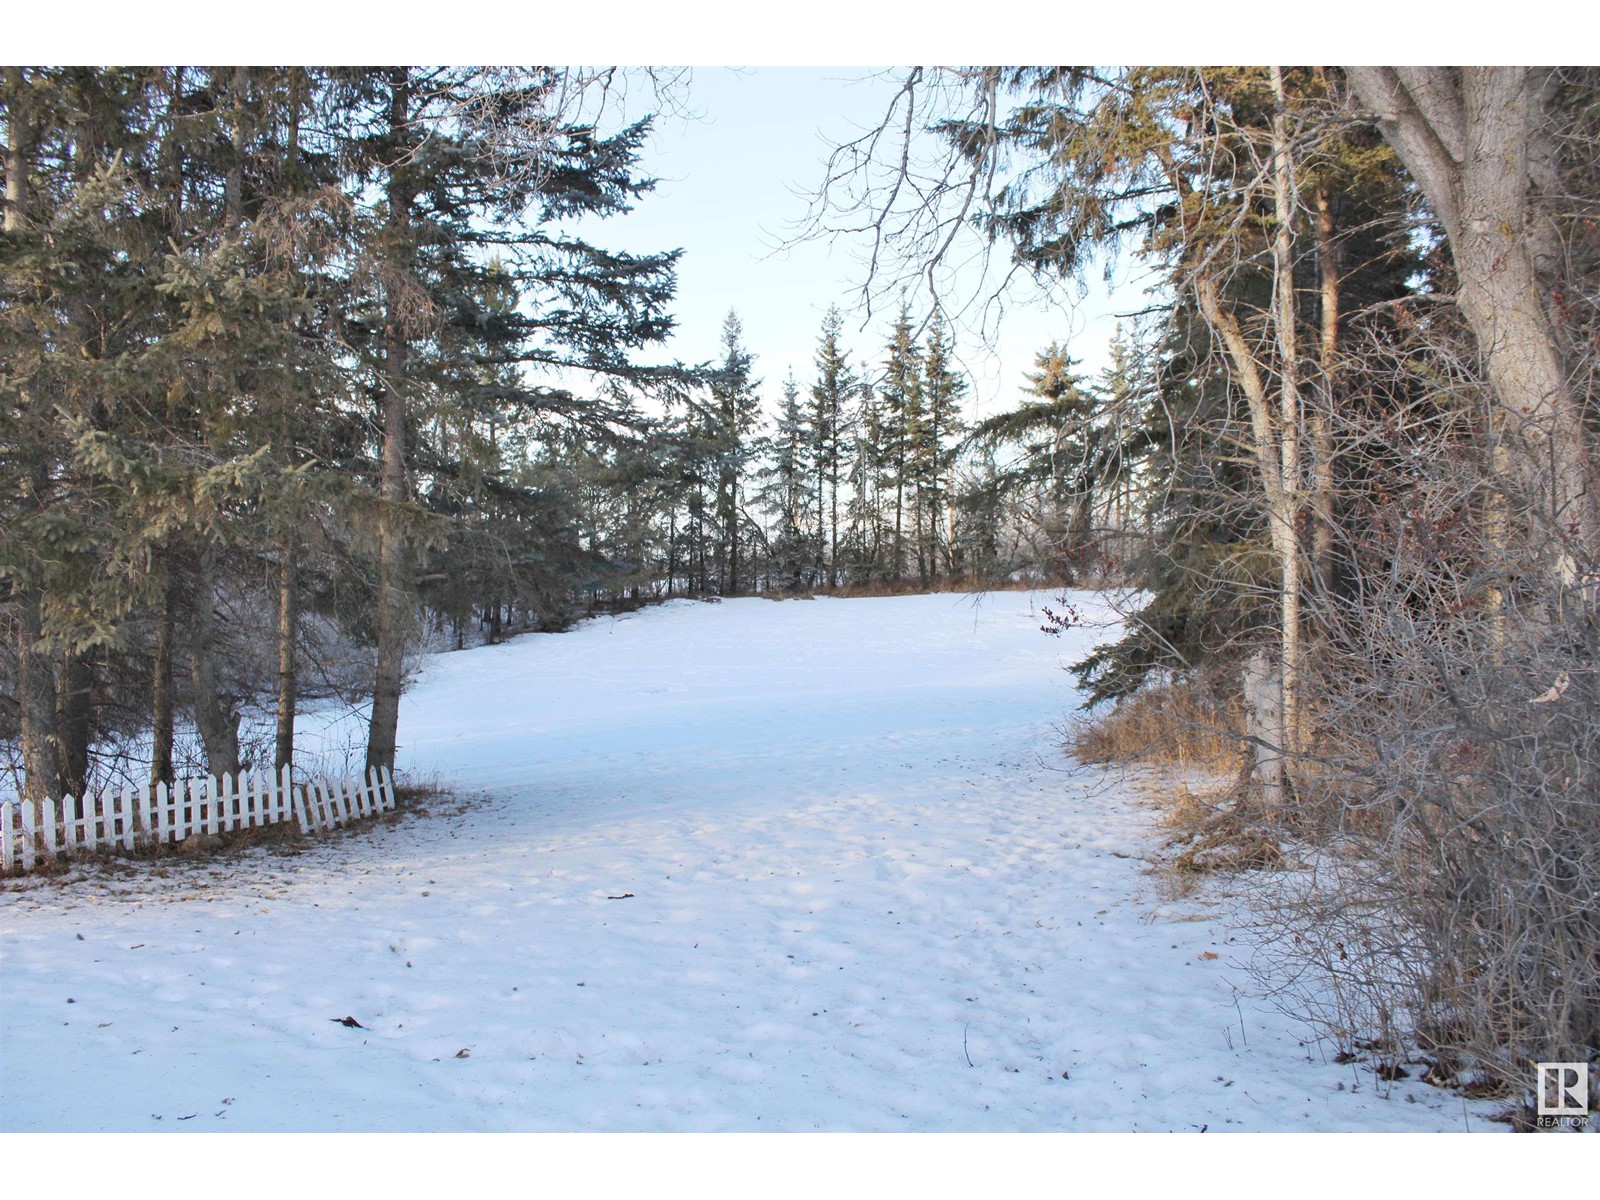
864 475
297 365
851 481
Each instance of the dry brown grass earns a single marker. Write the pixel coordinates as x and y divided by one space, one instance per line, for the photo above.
1181 725
1187 740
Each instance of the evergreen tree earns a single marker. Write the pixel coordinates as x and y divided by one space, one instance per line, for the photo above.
468 168
736 406
935 447
831 423
866 512
1058 449
900 419
787 488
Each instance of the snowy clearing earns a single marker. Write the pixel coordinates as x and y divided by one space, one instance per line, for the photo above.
808 865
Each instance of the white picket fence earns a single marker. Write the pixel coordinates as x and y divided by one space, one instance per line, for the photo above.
134 818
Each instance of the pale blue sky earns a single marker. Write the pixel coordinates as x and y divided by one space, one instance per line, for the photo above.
734 179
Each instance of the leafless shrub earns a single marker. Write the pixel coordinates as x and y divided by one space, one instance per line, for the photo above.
1454 783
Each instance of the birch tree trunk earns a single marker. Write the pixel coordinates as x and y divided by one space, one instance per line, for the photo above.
1267 450
1320 425
16 150
1286 519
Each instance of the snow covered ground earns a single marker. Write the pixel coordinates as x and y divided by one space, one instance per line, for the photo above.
808 865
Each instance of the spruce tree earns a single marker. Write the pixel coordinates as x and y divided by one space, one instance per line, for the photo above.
787 489
831 423
470 171
936 445
900 419
736 406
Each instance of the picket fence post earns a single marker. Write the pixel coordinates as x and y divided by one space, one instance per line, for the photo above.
166 812
28 815
47 821
127 818
69 819
298 799
147 819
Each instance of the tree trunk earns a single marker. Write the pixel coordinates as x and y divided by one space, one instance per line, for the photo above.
289 563
161 688
728 542
391 568
16 149
1263 706
1270 463
822 528
734 583
41 762
74 710
288 666
672 547
833 529
1286 521
392 590
899 506
1321 422
214 713
1471 140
